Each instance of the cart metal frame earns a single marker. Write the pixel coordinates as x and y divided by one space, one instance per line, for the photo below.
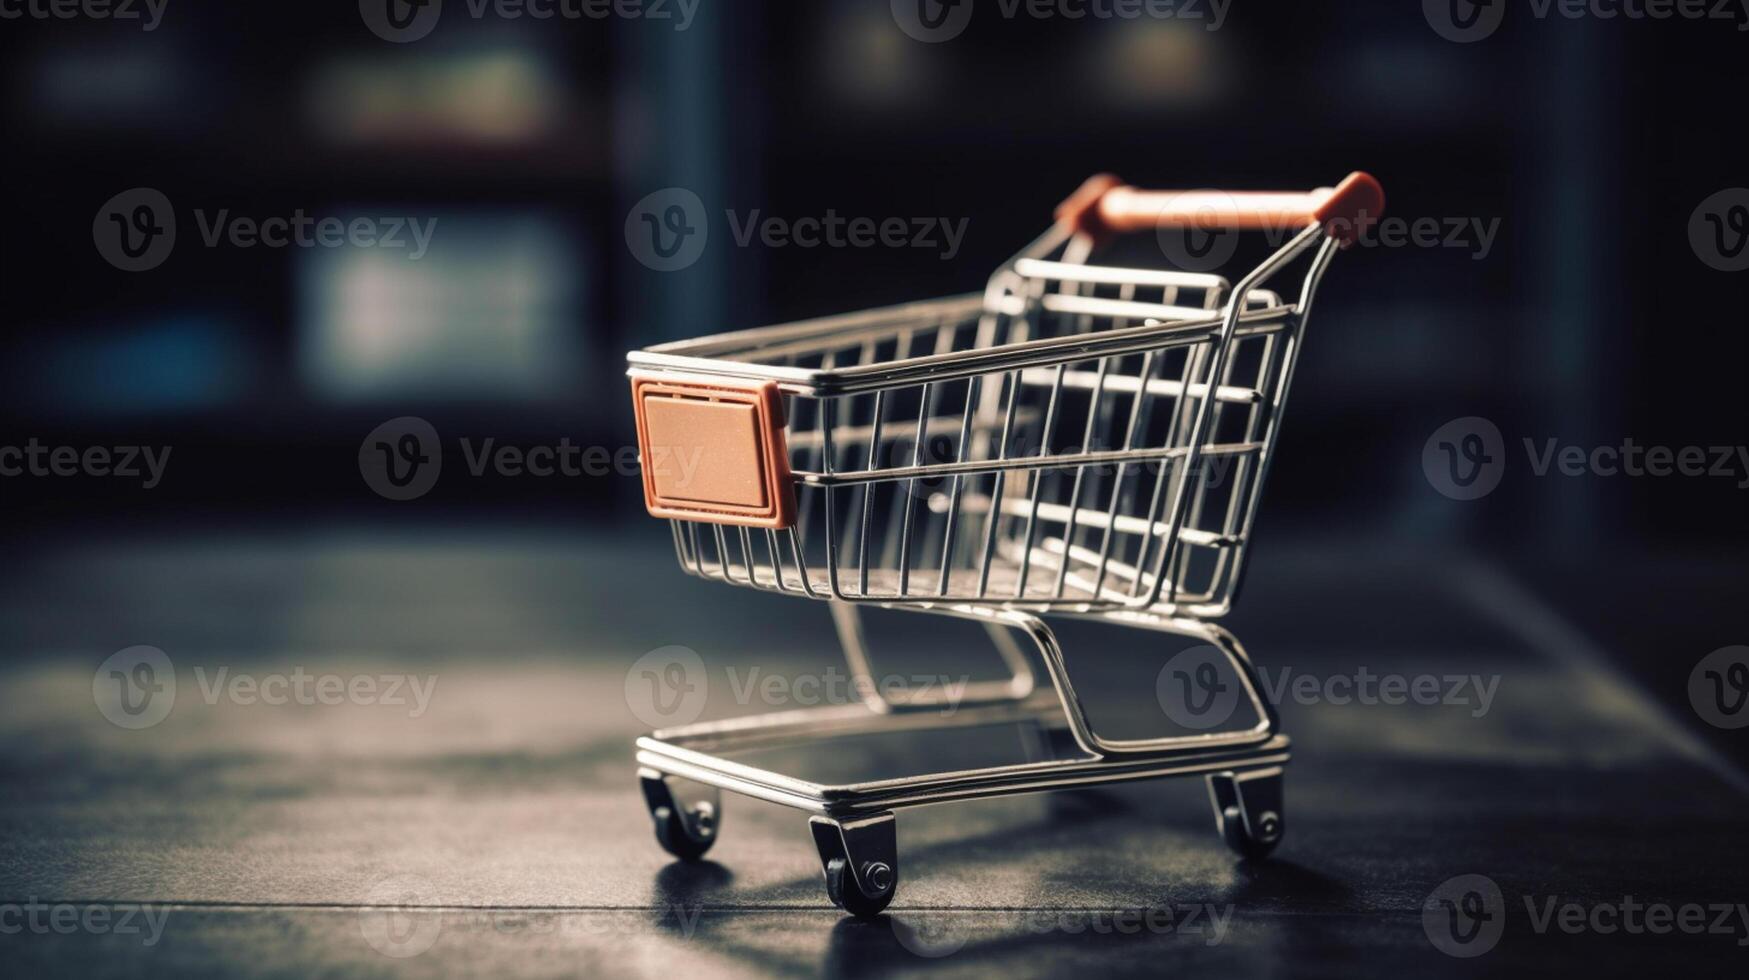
783 412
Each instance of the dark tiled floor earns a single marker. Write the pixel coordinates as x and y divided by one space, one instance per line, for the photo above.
500 830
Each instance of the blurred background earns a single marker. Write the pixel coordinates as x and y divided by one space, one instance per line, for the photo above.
1583 180
1584 314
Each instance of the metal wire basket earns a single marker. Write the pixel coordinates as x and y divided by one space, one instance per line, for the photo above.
1081 439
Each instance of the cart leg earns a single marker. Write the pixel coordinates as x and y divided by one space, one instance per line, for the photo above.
860 856
1249 810
1052 653
688 815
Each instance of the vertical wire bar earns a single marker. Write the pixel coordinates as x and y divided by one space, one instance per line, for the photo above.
946 340
874 440
852 530
697 550
829 362
1197 489
1192 361
679 542
1117 486
747 556
1038 483
722 552
910 495
890 540
776 555
1019 330
1211 299
954 494
828 411
1238 466
992 518
1069 527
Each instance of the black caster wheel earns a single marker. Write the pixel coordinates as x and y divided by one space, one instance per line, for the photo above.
1248 811
685 829
845 893
860 857
1252 847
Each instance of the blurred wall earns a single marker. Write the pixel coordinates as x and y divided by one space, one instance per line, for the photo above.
1571 156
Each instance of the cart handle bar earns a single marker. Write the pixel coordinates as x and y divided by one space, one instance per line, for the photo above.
1106 206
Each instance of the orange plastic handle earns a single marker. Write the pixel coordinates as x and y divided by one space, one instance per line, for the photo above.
1105 206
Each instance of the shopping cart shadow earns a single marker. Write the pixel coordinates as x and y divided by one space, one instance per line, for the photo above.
1161 932
998 938
993 937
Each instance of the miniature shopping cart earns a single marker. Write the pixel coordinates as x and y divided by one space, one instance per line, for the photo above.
1039 449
